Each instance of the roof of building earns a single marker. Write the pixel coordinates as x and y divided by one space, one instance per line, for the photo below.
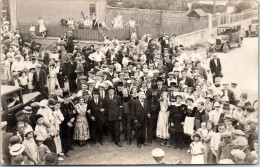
200 12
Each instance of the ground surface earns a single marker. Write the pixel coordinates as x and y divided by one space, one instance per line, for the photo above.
239 65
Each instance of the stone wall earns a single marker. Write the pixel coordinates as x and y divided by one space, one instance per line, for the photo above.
145 17
202 36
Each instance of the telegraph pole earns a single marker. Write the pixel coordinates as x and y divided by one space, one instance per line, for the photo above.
214 8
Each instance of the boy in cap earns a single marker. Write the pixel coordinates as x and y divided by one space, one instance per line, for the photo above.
43 150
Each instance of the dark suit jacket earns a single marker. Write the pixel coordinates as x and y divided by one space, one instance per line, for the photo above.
140 112
203 73
215 68
70 70
95 109
42 79
189 82
113 108
46 58
170 66
230 95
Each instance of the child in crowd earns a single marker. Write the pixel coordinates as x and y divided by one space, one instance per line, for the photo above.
203 130
197 150
43 150
32 30
23 81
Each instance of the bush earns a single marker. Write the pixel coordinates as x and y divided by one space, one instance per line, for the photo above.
245 5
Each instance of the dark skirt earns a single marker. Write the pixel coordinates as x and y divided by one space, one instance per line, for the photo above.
50 144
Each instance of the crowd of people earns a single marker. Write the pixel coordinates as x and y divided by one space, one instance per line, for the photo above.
154 88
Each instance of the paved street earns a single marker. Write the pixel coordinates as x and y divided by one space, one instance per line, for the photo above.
241 65
112 154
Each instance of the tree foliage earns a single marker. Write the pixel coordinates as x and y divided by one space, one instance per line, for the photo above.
174 5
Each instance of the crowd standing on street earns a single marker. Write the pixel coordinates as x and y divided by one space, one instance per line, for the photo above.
152 87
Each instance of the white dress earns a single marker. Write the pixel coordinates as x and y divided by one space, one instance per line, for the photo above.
163 124
196 148
42 27
53 81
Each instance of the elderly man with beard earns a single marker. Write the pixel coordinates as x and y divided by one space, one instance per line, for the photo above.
141 115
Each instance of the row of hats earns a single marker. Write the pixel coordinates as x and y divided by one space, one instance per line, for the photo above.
17 149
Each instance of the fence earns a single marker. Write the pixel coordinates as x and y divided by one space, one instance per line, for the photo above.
81 34
122 34
243 16
233 18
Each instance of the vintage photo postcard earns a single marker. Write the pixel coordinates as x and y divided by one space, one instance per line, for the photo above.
129 82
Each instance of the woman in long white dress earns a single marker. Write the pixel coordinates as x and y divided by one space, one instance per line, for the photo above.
53 81
163 124
42 27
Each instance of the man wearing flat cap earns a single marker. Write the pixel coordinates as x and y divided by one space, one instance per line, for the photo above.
113 109
225 147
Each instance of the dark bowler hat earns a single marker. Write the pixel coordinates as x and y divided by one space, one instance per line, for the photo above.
159 79
154 87
226 106
120 84
38 116
228 118
173 84
95 91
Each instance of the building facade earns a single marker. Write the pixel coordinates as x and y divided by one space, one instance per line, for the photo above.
52 11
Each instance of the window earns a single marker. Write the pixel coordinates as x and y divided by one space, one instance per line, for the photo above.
13 100
92 9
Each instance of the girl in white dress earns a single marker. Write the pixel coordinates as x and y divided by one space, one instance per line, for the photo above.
42 28
71 23
163 123
197 150
30 77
